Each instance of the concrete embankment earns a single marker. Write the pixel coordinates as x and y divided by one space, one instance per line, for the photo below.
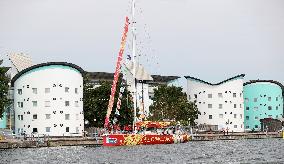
54 142
235 136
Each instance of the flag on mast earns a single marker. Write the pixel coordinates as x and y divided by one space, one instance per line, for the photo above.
117 71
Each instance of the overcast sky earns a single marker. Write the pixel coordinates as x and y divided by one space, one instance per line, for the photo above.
208 39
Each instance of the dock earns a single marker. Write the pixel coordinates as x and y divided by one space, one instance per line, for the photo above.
95 142
51 142
235 136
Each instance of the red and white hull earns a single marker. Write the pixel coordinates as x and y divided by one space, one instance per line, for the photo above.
142 139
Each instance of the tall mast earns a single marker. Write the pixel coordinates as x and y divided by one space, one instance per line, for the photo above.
134 61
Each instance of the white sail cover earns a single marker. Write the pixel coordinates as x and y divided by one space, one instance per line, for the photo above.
20 61
140 72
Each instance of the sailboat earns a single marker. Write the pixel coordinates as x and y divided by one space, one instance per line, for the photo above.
144 132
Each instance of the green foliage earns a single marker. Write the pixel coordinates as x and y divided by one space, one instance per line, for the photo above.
4 87
96 103
172 104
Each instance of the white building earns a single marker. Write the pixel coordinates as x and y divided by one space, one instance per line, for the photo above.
219 104
48 99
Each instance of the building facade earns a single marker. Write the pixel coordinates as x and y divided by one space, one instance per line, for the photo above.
3 121
262 99
48 99
219 104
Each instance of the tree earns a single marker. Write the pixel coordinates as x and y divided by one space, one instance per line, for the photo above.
171 103
96 103
4 88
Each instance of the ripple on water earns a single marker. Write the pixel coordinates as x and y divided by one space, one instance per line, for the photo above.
240 151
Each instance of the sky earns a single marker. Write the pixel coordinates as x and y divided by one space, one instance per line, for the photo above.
209 39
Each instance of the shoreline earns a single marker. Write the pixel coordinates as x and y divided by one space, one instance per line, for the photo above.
51 142
92 142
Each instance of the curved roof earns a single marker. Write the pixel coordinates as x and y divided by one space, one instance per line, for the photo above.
265 81
44 65
232 78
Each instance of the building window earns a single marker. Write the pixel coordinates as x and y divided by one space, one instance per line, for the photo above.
20 117
235 105
210 116
276 107
47 116
47 90
276 98
67 116
76 103
209 105
269 98
195 96
256 126
76 90
256 117
269 108
34 116
34 90
255 100
234 94
20 91
67 89
209 95
247 108
276 117
235 115
47 129
67 103
67 129
47 103
255 108
20 104
220 115
34 130
247 127
34 103
235 126
247 117
220 95
220 106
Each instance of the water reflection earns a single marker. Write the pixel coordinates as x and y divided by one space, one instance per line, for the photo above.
240 151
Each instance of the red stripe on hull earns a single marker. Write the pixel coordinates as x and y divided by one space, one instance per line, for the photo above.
140 139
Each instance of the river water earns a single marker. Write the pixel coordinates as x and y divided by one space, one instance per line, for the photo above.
233 151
